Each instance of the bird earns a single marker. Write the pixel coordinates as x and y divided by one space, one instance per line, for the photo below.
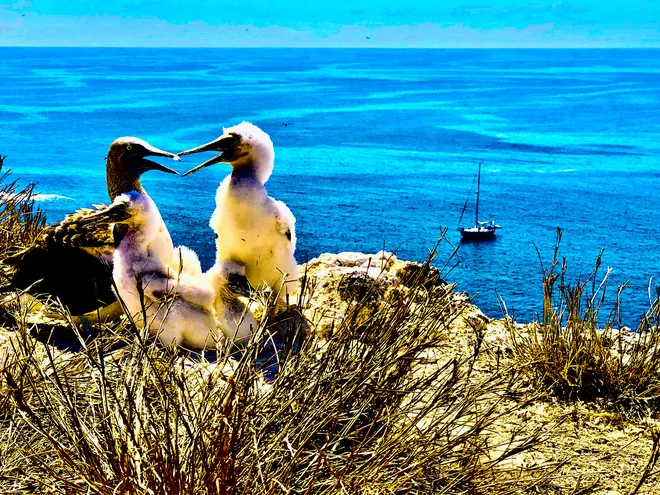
286 124
231 285
72 264
175 306
252 229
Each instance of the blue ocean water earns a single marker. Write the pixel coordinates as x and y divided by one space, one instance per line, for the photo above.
381 151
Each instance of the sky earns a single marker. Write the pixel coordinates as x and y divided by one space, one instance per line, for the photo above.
335 23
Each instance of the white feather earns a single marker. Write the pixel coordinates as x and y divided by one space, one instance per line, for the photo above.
234 316
253 229
187 318
186 260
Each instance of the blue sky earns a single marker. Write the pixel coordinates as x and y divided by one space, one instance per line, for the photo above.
336 23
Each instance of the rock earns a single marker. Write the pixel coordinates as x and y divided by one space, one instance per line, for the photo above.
360 287
340 281
428 276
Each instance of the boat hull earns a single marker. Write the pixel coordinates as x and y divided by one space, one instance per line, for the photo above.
475 234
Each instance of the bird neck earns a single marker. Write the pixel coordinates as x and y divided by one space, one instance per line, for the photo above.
252 169
243 174
118 179
144 226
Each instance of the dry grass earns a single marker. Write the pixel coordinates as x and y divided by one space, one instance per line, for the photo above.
20 222
369 408
575 353
357 413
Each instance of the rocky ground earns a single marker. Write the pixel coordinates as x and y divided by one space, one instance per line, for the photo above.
587 445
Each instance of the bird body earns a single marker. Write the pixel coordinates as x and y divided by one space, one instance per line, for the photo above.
187 261
234 316
162 287
175 305
255 230
74 276
71 264
126 244
252 229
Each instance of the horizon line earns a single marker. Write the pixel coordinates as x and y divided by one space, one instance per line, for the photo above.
345 47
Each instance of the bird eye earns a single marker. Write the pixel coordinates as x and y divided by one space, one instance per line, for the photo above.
129 147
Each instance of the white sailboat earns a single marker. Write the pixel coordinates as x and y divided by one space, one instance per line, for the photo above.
481 230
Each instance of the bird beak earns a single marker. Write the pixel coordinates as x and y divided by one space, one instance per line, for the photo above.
212 146
215 159
149 165
153 151
224 144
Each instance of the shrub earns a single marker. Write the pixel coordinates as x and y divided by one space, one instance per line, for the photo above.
573 353
21 223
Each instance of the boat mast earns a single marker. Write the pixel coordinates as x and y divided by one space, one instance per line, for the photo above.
467 200
478 186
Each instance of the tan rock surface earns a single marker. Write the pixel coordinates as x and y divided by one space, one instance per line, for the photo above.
594 446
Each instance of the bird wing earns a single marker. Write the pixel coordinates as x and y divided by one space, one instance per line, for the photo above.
87 227
238 285
118 211
90 228
75 232
64 262
286 222
69 232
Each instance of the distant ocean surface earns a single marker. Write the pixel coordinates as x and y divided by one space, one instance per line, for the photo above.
381 150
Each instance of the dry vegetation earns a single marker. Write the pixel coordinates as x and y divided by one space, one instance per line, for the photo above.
576 354
376 404
20 221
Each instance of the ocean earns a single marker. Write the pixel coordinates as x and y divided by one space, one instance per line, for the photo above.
381 149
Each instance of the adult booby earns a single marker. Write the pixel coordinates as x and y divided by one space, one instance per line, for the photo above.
175 305
252 229
65 262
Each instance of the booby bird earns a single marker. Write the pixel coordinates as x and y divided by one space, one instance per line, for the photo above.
252 229
175 305
234 316
65 262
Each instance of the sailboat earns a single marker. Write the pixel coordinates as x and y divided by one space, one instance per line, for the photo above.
481 230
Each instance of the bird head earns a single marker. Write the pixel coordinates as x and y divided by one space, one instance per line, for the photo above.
132 153
244 147
127 161
232 276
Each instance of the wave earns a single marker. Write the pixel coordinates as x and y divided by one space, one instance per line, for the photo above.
467 136
560 171
40 197
568 149
51 197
